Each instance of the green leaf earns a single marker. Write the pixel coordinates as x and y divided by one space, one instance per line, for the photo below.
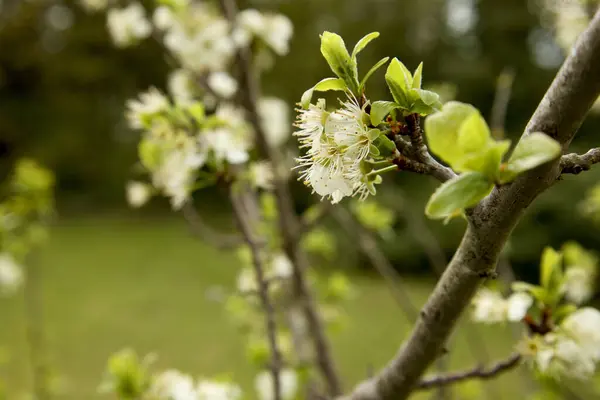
532 151
459 193
563 311
441 130
550 269
473 134
539 293
385 145
372 71
334 50
380 109
362 43
417 77
399 80
322 86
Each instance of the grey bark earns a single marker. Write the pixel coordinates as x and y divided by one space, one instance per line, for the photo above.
559 114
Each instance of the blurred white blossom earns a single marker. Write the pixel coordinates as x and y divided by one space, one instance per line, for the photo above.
180 86
163 18
138 193
583 326
11 274
261 174
275 114
222 84
94 5
128 25
232 141
174 385
275 30
246 281
288 381
578 284
149 103
281 266
212 390
490 307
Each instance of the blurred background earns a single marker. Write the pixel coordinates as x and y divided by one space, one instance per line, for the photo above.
115 277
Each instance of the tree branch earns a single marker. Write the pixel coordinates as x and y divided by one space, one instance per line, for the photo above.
574 163
560 114
243 215
207 233
288 221
475 373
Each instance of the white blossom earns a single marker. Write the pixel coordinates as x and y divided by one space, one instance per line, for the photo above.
180 86
148 104
11 274
222 84
558 355
288 381
274 114
274 29
490 307
232 141
246 281
261 174
128 25
174 385
311 126
163 18
212 390
281 266
94 5
583 326
138 193
578 284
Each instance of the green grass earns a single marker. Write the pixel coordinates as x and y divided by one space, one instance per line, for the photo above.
110 283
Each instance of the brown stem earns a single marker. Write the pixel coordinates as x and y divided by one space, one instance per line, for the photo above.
207 233
475 373
574 163
243 214
288 222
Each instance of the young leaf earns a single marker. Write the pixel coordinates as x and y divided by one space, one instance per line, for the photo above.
532 151
362 43
550 269
441 130
371 72
417 77
380 109
322 86
473 134
399 80
459 193
539 293
385 145
334 50
424 101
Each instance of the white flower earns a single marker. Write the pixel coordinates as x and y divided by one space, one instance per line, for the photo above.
128 25
246 281
180 86
138 193
222 84
288 383
489 307
311 126
583 326
174 385
93 5
558 355
274 29
578 284
149 103
274 114
231 142
281 266
211 390
261 174
11 274
163 18
517 305
328 180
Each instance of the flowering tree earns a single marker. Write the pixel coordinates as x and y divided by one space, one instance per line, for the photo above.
214 127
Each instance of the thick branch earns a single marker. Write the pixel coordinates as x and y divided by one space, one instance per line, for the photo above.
560 114
207 233
243 214
574 163
288 222
475 373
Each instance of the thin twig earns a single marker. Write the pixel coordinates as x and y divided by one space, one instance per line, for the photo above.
207 233
475 373
574 163
242 212
288 221
308 224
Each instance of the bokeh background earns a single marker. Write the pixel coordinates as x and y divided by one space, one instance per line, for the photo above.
113 277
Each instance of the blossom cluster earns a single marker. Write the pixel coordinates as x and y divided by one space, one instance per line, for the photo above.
196 132
564 340
337 146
